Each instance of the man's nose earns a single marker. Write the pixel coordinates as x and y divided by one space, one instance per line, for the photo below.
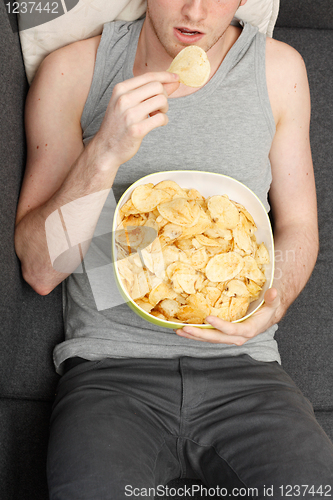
195 10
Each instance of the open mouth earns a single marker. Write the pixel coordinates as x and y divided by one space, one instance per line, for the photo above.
187 32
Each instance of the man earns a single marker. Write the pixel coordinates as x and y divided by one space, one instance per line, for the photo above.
137 406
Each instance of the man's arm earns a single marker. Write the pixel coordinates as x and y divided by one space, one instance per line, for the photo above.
292 198
60 169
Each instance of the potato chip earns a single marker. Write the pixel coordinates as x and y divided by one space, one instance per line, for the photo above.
213 231
172 254
135 263
209 242
199 258
181 267
222 310
146 306
180 211
262 255
160 292
122 253
224 266
171 187
212 294
199 303
236 288
245 212
188 314
168 307
196 244
134 220
193 194
238 307
226 246
192 66
223 212
251 270
158 315
246 224
153 260
253 288
145 198
129 237
184 282
185 244
126 274
171 232
161 222
201 225
242 239
129 209
140 286
153 281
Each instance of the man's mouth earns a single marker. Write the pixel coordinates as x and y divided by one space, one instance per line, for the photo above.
187 32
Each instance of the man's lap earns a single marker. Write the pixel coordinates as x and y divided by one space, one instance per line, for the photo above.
228 421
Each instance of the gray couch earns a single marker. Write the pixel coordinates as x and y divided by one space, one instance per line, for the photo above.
31 325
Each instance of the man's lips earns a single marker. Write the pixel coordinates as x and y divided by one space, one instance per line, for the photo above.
187 35
188 31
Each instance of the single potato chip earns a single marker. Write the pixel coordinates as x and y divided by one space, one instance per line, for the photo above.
238 307
198 228
140 286
236 288
224 266
242 239
145 198
146 306
160 292
188 314
199 303
180 211
223 212
251 270
262 255
192 66
172 188
199 258
168 307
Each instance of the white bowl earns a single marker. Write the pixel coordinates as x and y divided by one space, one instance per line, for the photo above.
208 184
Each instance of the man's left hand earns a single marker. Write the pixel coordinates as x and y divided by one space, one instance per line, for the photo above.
225 332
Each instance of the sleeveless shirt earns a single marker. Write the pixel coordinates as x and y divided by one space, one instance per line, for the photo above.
226 126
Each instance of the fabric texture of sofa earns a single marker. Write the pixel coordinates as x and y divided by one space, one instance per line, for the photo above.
31 325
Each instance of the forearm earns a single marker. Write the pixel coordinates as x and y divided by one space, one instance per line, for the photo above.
296 250
69 217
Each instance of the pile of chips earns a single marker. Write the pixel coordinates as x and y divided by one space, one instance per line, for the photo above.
182 257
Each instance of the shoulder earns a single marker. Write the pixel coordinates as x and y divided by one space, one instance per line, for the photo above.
282 58
66 74
286 76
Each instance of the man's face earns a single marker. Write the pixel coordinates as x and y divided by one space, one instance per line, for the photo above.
179 23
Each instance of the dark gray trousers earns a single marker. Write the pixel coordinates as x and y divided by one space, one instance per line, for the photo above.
123 428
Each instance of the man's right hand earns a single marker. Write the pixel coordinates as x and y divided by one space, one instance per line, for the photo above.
136 107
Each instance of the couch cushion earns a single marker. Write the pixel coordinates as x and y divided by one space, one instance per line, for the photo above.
23 438
30 324
305 335
306 14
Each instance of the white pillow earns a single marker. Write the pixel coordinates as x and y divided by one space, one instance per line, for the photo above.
86 20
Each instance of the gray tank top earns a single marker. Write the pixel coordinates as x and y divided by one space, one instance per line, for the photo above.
226 127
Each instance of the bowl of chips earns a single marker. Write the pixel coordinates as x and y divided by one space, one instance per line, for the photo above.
189 244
